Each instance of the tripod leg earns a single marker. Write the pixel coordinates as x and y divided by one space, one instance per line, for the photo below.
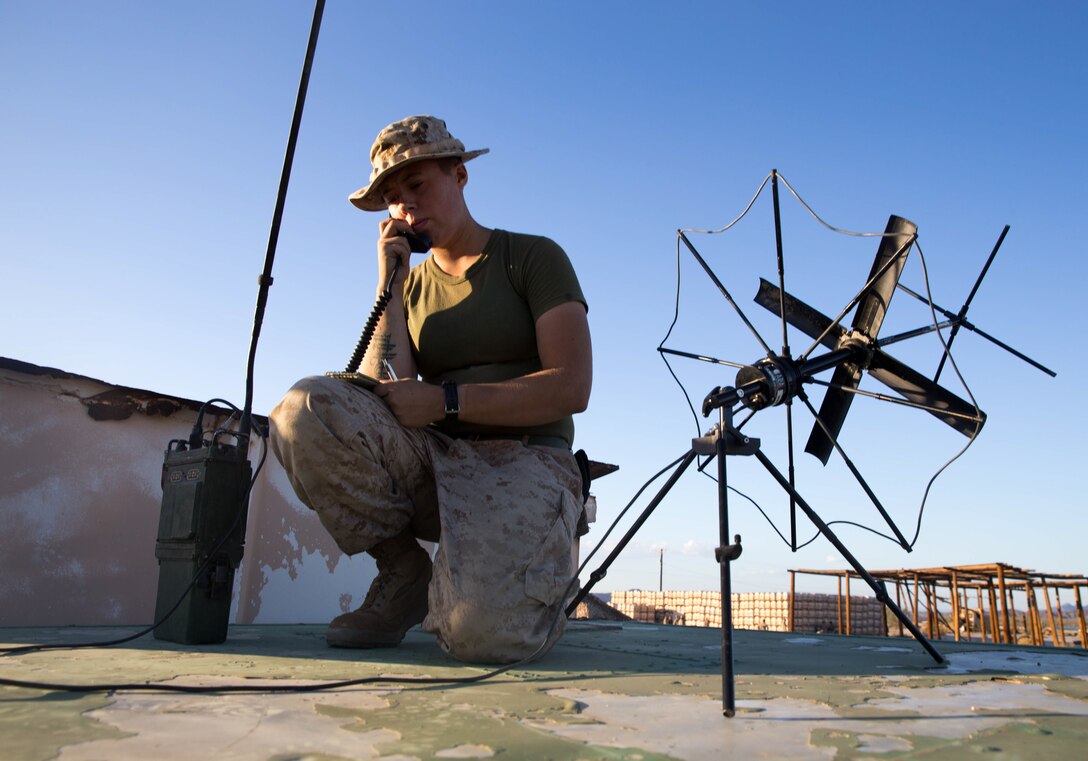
877 586
603 569
725 556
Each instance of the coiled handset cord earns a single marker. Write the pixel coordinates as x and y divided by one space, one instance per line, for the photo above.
372 323
418 243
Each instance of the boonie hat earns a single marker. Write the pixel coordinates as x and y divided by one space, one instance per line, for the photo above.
413 139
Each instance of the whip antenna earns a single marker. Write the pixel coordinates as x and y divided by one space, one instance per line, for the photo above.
265 279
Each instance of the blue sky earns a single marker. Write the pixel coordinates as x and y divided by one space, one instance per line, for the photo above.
141 146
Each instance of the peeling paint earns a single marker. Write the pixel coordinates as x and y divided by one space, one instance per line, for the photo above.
241 727
689 727
1017 662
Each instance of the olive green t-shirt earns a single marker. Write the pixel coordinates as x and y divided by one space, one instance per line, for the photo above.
481 327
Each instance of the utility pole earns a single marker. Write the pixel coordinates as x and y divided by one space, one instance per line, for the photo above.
661 570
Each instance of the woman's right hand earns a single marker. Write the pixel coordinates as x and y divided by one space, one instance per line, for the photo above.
392 247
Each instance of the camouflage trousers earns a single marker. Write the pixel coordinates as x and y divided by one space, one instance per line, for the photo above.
504 514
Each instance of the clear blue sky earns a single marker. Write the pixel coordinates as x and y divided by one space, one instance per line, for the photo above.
141 146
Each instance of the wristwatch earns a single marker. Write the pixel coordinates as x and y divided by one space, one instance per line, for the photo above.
453 407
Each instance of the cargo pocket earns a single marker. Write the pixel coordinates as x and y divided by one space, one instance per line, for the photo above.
551 567
504 557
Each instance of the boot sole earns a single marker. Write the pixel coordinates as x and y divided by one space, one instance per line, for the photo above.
353 638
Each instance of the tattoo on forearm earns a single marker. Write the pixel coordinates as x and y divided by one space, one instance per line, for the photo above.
387 352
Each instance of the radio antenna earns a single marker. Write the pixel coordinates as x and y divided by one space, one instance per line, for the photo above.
265 279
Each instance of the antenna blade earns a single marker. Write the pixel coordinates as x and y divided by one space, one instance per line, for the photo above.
799 314
898 238
938 401
891 256
833 411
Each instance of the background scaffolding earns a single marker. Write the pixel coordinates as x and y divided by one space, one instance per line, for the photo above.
994 602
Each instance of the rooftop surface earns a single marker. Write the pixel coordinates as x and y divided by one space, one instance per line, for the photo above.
607 691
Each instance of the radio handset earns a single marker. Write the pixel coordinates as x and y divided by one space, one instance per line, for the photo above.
418 243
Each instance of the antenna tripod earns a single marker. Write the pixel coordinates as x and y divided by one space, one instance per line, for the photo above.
721 445
779 377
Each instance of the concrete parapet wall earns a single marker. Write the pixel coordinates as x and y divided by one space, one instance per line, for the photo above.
80 492
765 611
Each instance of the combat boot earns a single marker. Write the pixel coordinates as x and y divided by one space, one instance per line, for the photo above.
396 602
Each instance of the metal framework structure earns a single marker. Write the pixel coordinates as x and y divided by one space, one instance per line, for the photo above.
990 602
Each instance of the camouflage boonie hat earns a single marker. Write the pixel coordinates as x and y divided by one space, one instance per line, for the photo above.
413 139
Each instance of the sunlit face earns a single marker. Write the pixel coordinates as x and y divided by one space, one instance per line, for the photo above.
426 195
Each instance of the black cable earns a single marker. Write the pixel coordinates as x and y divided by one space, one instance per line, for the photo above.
197 433
271 689
317 687
623 512
955 368
675 318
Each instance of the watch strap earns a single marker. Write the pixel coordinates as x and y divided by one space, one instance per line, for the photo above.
453 406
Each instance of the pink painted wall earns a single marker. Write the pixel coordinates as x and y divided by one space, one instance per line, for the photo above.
80 467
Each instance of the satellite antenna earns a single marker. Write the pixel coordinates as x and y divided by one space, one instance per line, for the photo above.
779 378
